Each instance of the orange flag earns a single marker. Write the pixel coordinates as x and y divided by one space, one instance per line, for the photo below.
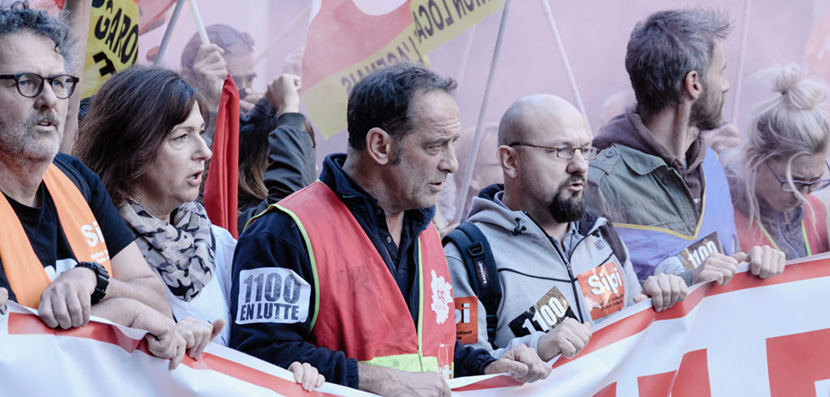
223 177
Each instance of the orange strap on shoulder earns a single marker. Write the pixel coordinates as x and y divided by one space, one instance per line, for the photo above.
26 275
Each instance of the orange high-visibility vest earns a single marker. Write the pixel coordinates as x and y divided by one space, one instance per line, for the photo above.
26 275
813 229
360 309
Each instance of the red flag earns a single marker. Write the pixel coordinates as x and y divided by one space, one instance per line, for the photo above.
223 176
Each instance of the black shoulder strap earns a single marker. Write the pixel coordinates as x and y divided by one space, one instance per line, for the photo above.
481 270
609 234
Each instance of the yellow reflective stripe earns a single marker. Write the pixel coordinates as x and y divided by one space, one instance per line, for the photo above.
774 245
406 362
422 305
806 242
672 232
310 260
656 229
764 230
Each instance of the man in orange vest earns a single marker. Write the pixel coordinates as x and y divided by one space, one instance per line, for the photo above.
63 247
349 273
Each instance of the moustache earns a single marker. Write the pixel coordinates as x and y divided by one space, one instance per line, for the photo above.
574 179
50 118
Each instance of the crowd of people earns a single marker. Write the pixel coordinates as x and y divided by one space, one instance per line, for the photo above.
343 277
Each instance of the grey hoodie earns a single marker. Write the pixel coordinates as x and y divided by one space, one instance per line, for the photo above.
530 264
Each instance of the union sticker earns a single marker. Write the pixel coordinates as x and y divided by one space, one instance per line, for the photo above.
272 295
441 298
603 288
466 319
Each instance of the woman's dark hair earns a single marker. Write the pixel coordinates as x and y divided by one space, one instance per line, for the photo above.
128 121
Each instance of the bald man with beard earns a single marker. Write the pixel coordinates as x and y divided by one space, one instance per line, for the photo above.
561 269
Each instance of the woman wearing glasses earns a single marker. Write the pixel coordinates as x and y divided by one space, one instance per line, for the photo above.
782 161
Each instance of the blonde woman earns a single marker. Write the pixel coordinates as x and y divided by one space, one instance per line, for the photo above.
782 161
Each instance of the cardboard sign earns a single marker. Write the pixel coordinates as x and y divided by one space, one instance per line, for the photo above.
549 311
697 252
604 289
466 319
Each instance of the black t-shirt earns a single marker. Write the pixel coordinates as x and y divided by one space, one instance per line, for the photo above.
42 225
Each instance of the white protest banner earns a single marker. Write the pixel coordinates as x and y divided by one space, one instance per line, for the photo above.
102 359
751 337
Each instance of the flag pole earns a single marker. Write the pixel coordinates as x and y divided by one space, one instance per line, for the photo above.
468 173
739 84
567 63
466 57
200 25
168 33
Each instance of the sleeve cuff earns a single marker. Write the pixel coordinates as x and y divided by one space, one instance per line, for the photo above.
296 120
352 375
481 362
687 277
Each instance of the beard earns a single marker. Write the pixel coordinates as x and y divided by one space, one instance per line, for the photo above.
24 143
707 112
566 207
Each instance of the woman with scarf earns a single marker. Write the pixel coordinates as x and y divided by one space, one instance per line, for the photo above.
143 136
783 159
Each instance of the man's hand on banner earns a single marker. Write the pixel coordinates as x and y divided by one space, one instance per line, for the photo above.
306 375
665 290
66 302
567 338
717 267
764 261
197 334
210 70
393 382
522 363
4 297
284 94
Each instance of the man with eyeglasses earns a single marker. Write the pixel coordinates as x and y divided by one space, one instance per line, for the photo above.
63 247
655 179
560 269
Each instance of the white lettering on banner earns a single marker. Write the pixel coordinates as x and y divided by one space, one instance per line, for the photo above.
272 295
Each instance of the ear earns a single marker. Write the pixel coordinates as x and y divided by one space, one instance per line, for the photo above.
508 159
380 146
693 85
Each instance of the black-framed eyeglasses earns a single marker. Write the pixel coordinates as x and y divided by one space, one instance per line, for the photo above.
800 185
30 85
566 152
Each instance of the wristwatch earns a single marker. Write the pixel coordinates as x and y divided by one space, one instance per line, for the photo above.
101 275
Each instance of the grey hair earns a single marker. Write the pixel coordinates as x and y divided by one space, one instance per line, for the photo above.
791 124
18 17
665 47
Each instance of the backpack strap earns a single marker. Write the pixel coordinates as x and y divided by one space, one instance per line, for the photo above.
481 270
607 232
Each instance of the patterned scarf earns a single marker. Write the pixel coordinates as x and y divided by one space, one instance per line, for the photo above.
181 252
